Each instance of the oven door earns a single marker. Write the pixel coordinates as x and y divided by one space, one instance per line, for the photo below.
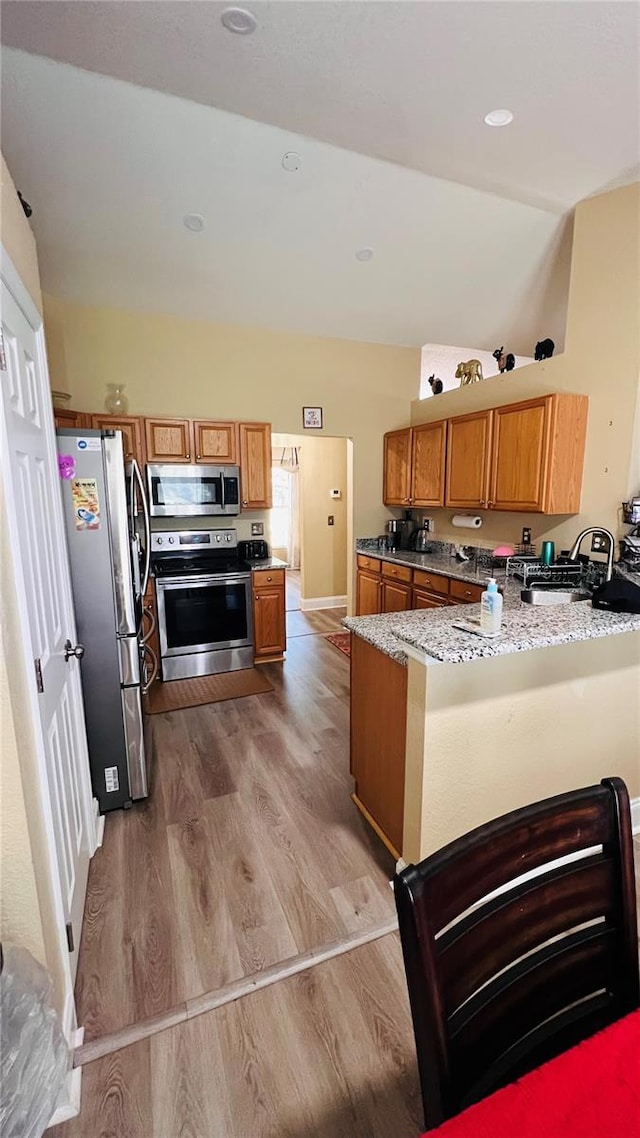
204 614
177 491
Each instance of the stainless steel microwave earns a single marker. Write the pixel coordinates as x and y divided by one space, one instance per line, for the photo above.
181 491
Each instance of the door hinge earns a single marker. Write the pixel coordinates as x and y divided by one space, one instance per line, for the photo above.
38 667
69 929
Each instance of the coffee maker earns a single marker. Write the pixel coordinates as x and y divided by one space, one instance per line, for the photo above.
398 531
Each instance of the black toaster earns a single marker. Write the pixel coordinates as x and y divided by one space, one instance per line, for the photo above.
255 550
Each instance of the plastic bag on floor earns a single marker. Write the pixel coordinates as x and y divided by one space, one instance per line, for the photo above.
34 1057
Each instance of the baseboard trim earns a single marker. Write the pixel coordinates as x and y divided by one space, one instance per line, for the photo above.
236 990
310 603
635 815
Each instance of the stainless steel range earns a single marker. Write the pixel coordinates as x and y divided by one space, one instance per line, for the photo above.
205 618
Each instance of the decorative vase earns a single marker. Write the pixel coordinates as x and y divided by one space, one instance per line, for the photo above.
116 401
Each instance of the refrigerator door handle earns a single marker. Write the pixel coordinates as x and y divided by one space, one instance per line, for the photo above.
147 527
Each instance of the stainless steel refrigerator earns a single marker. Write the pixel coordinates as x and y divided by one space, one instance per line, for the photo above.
107 523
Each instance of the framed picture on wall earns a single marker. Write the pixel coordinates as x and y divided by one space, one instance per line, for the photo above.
312 418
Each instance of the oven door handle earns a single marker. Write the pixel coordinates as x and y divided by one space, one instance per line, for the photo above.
196 582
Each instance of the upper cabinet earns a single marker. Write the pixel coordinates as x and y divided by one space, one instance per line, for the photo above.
216 442
526 456
538 455
414 461
428 453
168 440
255 465
468 458
132 433
397 468
65 417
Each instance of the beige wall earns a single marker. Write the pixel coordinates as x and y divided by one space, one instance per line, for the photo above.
489 736
17 237
26 912
178 367
323 467
601 360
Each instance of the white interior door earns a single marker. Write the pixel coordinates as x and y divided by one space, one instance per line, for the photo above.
36 534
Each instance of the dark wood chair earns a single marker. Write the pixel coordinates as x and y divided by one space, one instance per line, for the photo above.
499 982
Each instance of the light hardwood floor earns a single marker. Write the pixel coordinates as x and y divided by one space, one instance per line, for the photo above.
248 851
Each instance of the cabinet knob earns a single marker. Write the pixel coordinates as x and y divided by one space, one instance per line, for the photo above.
244 501
187 456
269 578
198 457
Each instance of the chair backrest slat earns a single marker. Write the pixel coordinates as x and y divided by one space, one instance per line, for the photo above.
504 973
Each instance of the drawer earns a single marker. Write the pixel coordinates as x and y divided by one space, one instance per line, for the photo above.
263 578
425 600
433 581
398 572
370 563
463 591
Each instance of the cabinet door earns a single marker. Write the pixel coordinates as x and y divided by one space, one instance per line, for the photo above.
520 455
255 465
465 593
65 417
468 456
368 596
269 621
424 600
216 442
396 490
132 433
168 440
396 597
428 455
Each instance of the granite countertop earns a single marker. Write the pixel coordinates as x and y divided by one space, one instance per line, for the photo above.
268 563
524 627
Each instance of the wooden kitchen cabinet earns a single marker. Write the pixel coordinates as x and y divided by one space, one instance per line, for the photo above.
463 592
368 593
132 433
378 736
397 468
66 417
538 455
150 630
468 461
255 465
269 615
421 599
428 462
169 440
216 442
395 595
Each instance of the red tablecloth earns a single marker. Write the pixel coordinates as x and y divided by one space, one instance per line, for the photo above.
591 1091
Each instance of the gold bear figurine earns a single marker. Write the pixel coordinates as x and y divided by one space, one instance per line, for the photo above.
469 372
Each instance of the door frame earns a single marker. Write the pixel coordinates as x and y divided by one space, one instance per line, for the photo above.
38 802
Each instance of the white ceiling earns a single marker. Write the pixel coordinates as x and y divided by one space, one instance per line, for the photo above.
383 101
401 80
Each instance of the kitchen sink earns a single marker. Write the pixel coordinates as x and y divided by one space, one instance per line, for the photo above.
553 595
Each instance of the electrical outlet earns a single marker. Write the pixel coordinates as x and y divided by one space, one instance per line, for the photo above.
599 543
429 524
526 535
257 529
330 520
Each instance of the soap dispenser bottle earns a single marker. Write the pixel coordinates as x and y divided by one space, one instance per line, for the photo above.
491 609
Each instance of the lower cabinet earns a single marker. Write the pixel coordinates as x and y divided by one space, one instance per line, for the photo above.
384 586
378 734
150 666
269 614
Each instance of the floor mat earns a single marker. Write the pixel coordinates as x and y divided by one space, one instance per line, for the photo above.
178 694
341 641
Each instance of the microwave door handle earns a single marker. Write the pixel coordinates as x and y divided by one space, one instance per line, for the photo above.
147 528
222 498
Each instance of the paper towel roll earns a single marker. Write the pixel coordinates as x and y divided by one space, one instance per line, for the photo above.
467 521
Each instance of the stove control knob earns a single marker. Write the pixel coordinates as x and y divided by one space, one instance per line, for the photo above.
218 538
158 541
170 541
228 537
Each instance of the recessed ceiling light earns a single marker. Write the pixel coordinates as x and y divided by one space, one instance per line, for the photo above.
194 221
291 161
364 254
239 21
499 118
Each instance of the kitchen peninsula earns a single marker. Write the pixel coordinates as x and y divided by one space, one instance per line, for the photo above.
449 730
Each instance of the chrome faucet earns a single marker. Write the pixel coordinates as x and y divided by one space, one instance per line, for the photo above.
573 556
